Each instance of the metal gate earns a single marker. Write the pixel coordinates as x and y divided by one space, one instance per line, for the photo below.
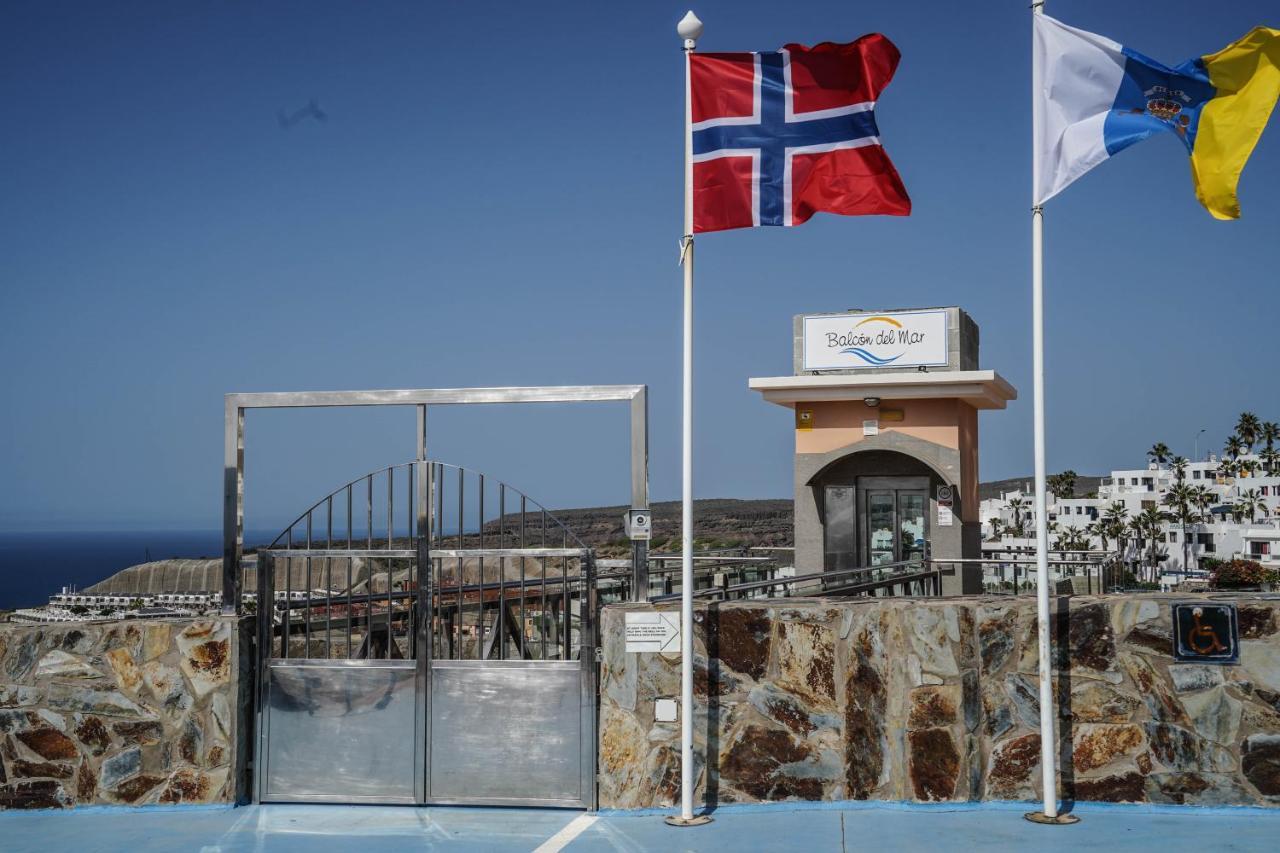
426 635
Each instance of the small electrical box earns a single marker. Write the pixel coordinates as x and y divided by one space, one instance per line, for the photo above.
639 524
665 711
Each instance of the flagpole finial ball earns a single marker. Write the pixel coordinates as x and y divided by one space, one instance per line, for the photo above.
689 28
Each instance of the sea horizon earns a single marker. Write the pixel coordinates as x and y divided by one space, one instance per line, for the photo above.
35 564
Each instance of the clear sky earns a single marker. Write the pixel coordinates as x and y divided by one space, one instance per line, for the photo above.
495 200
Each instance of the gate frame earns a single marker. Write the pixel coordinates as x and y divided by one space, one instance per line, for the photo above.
233 452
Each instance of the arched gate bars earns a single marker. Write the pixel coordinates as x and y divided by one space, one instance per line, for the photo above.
507 579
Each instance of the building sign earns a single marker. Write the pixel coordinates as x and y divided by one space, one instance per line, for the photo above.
900 339
1206 632
656 631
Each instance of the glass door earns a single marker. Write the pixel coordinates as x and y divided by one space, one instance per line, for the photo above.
894 519
911 526
881 526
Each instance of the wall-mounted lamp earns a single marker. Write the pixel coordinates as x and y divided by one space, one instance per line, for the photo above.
871 402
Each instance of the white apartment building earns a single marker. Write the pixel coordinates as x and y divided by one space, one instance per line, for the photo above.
1222 535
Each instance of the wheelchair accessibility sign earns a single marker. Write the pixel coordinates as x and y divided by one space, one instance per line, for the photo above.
1205 632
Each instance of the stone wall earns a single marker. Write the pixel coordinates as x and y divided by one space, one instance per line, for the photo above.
124 712
937 700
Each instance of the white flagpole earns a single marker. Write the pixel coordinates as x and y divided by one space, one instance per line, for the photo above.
689 28
1048 715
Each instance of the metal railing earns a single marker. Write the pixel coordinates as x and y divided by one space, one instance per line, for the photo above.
907 577
1015 573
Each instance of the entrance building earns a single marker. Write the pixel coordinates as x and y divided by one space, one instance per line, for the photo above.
886 439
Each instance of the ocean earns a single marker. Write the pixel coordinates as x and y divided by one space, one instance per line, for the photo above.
33 566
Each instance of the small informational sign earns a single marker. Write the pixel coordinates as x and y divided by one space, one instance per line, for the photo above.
804 419
1206 632
639 524
859 341
657 631
871 427
946 501
891 414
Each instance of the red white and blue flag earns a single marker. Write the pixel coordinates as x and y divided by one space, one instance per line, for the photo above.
781 135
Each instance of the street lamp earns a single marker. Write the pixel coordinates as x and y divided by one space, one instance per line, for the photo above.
1195 454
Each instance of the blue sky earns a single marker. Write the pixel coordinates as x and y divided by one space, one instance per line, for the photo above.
495 200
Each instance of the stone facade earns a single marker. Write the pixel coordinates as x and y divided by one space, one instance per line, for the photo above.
937 700
125 712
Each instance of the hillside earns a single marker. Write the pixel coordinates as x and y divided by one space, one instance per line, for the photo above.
1085 486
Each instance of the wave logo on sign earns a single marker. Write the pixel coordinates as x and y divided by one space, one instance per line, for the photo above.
869 358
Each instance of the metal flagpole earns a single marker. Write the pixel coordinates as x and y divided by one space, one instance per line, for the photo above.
689 28
1048 735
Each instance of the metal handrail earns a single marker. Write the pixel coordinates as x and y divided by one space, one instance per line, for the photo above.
813 577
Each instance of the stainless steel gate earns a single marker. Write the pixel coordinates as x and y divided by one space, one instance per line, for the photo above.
443 653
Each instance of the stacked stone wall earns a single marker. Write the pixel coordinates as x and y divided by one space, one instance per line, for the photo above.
937 700
132 712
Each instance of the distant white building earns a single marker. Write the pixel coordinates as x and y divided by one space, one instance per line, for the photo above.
1221 533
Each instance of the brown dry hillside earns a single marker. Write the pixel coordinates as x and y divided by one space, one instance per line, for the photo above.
719 522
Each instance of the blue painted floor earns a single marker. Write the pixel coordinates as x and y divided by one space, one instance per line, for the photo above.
367 829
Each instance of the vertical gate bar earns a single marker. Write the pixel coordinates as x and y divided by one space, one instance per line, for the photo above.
288 599
266 631
462 511
568 625
422 644
306 614
328 580
542 601
564 590
502 571
480 573
589 644
390 535
350 560
414 573
437 602
523 623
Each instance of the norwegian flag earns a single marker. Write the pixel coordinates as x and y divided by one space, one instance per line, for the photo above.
781 135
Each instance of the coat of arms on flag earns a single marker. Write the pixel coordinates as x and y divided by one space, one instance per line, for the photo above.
781 135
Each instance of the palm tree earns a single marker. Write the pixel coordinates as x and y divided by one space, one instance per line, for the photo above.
1249 428
1269 433
1115 518
1159 453
1063 485
1248 504
1247 467
1179 466
1102 530
1182 499
1228 468
1148 525
1234 447
1270 461
1017 505
1204 498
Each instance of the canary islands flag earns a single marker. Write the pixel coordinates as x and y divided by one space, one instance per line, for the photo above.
1095 97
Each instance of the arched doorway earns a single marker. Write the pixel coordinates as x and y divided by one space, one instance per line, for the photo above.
875 509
